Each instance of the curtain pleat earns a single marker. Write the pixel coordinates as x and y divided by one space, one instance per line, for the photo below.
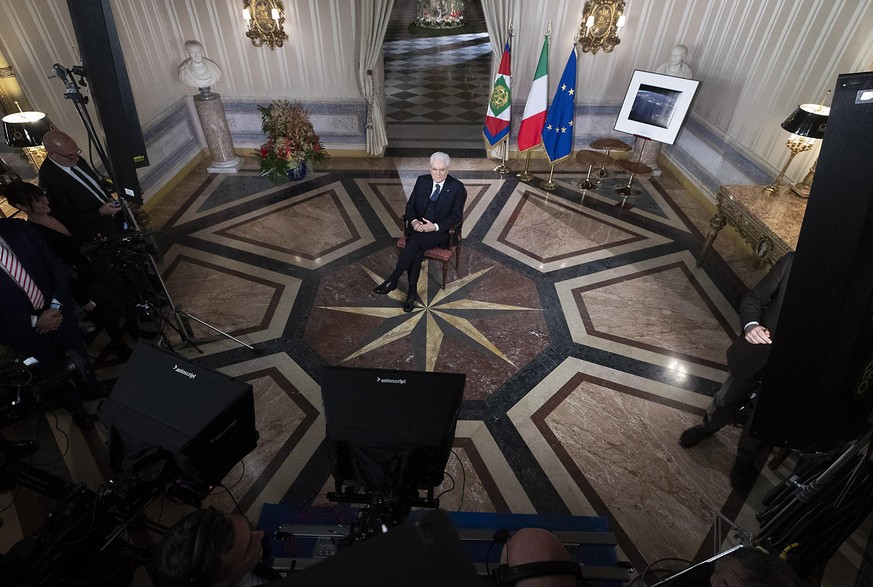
371 73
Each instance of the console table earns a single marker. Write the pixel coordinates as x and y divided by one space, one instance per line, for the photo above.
770 224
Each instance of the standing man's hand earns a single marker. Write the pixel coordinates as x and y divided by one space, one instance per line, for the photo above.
109 209
757 334
49 320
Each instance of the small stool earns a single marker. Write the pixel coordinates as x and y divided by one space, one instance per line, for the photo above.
591 158
634 168
608 144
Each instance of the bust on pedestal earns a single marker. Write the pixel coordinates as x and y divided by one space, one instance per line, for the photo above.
199 72
677 68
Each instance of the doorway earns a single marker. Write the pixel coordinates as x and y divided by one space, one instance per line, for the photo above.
436 83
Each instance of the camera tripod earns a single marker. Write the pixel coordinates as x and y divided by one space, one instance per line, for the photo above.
180 322
822 504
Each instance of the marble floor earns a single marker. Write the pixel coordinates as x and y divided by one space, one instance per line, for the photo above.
589 337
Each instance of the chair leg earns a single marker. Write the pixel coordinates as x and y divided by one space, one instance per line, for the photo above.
445 271
458 256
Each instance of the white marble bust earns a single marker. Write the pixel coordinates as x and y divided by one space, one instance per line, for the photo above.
676 66
197 70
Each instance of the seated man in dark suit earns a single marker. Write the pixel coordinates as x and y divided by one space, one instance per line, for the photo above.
746 357
435 205
76 195
36 310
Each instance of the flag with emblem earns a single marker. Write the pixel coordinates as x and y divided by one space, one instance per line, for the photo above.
497 118
558 129
530 131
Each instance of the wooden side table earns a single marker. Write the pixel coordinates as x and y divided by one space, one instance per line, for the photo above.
770 224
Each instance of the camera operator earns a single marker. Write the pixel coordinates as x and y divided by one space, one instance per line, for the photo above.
534 557
36 311
207 548
75 191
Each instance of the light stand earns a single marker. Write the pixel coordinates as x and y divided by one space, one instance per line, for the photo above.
79 101
815 510
180 317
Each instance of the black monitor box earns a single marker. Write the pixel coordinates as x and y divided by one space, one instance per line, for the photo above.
164 406
378 412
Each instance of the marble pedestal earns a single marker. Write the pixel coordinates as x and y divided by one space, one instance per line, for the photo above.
650 154
210 111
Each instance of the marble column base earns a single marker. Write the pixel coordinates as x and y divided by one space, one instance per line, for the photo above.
227 167
213 121
650 154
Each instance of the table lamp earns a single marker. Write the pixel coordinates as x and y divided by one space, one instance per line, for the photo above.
25 130
806 124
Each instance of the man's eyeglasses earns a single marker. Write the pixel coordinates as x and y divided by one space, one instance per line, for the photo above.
71 156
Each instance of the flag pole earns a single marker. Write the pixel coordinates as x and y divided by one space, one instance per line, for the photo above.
550 185
502 169
524 175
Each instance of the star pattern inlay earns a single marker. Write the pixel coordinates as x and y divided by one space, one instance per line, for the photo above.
446 307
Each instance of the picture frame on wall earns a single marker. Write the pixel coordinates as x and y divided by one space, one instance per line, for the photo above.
655 106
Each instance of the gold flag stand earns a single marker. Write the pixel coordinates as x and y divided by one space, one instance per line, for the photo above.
524 175
502 169
550 185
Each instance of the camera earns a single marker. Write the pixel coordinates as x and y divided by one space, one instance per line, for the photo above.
25 385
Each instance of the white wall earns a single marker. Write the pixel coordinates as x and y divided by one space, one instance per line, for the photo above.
756 59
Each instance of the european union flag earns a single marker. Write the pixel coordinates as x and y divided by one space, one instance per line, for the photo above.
558 129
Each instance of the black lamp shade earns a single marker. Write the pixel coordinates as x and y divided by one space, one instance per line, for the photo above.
808 120
25 129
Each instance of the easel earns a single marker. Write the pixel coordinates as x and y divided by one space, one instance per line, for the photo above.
634 168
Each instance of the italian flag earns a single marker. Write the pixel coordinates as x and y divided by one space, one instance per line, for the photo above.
497 118
530 131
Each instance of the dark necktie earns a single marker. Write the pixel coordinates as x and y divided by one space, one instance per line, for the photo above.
89 183
436 193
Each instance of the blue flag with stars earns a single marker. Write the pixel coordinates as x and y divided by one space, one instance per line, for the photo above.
558 129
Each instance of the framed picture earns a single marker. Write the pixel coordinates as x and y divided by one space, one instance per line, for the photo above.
655 106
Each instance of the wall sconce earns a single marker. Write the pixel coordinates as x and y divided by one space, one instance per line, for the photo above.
601 20
806 124
25 130
265 19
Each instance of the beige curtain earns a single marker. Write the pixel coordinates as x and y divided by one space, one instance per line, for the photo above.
371 73
498 15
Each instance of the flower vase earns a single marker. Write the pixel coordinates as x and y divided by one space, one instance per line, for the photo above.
298 173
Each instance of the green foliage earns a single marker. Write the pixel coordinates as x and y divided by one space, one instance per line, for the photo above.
291 139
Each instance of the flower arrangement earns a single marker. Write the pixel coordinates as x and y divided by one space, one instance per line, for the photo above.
291 140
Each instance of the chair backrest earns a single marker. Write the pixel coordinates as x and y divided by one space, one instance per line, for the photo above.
455 234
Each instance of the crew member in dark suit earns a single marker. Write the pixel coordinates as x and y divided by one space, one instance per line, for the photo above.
746 358
435 205
36 311
77 197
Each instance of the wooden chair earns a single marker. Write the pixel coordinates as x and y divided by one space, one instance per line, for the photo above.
440 254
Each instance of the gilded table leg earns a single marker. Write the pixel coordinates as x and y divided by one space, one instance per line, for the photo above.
716 223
